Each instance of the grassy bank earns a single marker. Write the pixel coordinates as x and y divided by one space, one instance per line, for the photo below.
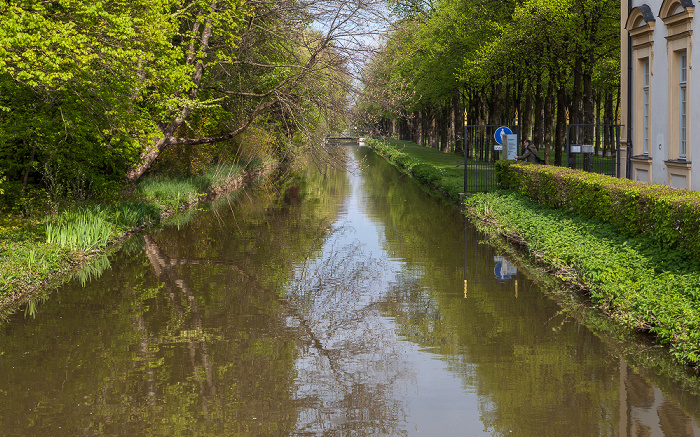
442 172
640 284
34 251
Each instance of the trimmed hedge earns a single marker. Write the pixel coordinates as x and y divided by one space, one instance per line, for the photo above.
667 215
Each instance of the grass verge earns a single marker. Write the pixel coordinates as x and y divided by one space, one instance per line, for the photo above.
637 282
433 168
33 251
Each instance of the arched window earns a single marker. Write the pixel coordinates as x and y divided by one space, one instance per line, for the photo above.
640 25
677 15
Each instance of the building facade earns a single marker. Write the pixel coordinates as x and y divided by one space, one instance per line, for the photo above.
660 109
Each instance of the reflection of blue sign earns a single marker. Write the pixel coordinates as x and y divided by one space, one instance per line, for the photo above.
500 131
504 269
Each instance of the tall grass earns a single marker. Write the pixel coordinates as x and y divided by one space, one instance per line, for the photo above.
80 229
174 192
220 174
130 215
171 193
93 269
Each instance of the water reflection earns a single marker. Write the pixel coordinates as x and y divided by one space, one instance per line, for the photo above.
645 411
353 305
351 375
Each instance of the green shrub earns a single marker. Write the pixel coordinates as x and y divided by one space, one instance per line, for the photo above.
669 216
427 173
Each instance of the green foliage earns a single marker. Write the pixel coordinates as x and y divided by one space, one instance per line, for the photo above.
79 85
484 51
427 174
668 216
33 250
173 192
643 284
127 216
85 87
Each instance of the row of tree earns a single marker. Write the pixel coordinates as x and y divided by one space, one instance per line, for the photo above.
542 64
96 92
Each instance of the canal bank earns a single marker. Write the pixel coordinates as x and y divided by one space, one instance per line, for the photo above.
628 279
31 265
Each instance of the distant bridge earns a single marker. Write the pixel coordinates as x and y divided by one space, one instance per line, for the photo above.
348 141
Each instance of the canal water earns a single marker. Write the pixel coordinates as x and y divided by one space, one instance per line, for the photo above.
336 305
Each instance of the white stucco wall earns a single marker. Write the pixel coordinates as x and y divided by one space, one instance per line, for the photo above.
659 107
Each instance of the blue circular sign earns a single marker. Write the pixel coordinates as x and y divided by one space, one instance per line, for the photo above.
500 131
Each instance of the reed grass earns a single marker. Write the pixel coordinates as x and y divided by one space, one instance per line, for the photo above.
171 193
80 229
175 192
32 249
93 269
133 214
220 174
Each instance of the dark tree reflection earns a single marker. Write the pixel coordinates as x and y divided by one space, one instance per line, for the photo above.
352 373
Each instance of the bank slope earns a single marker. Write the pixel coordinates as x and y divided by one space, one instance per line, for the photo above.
638 282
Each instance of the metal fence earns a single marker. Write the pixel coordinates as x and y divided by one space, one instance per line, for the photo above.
480 156
589 147
593 148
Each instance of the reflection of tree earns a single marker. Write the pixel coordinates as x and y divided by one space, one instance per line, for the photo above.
349 379
195 340
504 348
645 411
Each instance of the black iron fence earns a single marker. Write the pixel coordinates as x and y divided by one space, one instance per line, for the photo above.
593 148
589 147
480 155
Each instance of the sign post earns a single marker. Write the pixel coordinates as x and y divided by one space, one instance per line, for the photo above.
511 145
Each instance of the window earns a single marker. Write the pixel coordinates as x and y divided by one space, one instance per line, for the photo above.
682 105
640 25
677 16
645 108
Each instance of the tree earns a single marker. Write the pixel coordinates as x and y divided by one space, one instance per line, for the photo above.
78 83
110 86
534 60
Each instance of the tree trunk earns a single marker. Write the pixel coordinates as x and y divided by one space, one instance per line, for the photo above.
525 117
151 153
575 110
434 139
458 109
598 110
538 130
562 100
549 113
420 127
25 179
444 126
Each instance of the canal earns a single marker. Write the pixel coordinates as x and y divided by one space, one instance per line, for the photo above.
348 302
